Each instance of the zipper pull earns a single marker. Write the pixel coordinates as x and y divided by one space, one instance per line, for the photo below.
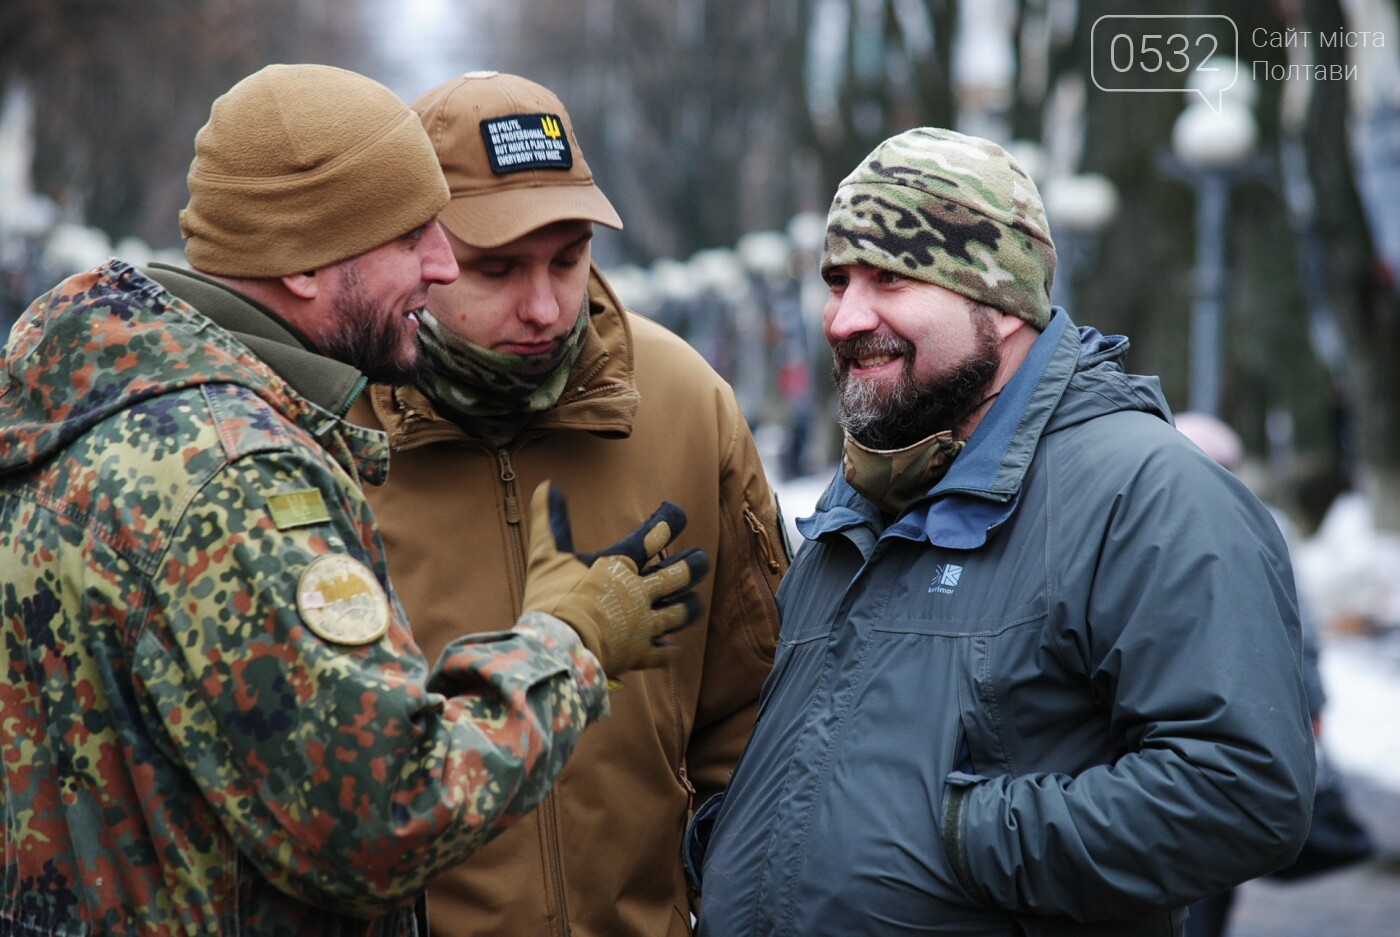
690 792
761 535
508 477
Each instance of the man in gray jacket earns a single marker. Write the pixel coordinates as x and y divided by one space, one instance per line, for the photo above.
1039 670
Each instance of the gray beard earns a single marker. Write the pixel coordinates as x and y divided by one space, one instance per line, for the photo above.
883 419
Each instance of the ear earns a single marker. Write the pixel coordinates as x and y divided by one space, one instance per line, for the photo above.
302 285
1008 325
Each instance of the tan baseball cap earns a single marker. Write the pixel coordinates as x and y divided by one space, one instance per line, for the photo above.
512 162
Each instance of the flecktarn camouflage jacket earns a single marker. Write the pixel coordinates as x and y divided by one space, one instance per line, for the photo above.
213 718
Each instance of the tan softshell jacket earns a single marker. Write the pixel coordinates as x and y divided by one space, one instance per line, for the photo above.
643 419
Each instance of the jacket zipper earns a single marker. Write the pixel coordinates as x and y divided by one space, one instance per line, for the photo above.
511 504
690 805
761 535
549 814
769 559
581 388
680 733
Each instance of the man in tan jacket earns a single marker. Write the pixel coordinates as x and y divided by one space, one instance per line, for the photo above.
535 371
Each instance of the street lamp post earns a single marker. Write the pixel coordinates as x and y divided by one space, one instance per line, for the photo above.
1212 149
1212 207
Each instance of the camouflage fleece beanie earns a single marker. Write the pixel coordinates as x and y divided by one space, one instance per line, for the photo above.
948 209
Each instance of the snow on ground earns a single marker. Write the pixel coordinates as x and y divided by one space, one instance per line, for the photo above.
1350 572
1348 569
1360 728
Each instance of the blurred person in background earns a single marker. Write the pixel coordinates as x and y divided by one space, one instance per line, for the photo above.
534 370
1040 666
216 720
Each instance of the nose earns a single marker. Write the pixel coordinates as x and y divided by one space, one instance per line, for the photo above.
849 312
538 304
439 265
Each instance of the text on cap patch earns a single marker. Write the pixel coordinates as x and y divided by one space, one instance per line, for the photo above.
526 141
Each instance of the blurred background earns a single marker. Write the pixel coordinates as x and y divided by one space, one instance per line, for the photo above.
1222 180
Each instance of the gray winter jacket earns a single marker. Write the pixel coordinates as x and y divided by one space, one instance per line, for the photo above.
1062 695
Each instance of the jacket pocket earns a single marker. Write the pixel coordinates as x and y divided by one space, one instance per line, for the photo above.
970 654
773 557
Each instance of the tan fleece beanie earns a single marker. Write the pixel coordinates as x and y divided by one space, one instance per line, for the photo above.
303 166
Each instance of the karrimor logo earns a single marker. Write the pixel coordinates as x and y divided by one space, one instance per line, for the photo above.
945 578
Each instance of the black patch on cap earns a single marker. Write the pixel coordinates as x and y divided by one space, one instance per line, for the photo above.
518 142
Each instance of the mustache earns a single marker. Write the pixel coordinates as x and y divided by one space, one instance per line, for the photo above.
866 345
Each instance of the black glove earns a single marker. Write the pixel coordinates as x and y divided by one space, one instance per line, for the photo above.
621 607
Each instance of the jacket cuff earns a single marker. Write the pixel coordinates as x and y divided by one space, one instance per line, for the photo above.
956 789
585 668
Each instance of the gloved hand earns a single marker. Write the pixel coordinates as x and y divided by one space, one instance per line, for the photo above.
621 608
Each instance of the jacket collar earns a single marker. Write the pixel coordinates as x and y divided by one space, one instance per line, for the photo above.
601 396
982 487
133 339
331 385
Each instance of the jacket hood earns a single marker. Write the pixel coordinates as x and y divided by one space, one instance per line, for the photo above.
1100 384
101 342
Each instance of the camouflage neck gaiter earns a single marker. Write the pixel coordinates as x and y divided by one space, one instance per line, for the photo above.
489 393
893 479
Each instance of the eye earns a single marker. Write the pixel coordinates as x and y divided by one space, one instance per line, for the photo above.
835 279
492 268
889 277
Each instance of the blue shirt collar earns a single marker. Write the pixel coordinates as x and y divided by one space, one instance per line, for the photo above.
982 487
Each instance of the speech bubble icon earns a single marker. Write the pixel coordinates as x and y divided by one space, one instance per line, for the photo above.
1158 53
1213 77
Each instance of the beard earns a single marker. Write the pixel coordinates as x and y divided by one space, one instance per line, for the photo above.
884 418
368 336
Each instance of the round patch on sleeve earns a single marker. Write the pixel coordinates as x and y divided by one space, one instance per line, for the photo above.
339 599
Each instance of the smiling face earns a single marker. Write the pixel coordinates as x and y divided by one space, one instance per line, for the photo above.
375 297
910 358
521 298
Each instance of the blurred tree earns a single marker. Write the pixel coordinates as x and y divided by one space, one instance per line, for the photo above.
684 108
704 120
1143 285
874 68
121 86
1361 287
779 98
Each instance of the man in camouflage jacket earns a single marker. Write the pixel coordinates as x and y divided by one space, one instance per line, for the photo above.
215 719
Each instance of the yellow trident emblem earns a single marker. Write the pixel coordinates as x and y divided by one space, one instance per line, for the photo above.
551 127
